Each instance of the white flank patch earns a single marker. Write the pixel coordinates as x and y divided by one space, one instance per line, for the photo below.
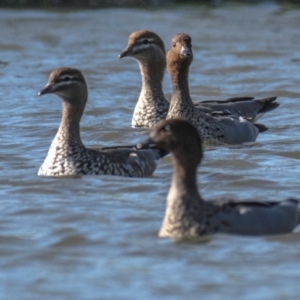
133 154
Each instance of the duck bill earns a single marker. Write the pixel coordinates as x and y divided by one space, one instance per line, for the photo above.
47 89
185 52
126 52
149 143
146 144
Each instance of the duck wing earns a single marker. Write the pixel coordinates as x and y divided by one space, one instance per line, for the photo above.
247 107
255 217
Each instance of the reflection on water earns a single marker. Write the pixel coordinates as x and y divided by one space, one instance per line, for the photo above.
83 237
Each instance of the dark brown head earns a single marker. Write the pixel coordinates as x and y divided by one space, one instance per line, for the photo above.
180 55
145 46
181 138
67 83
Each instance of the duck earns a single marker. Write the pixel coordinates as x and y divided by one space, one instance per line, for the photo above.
149 50
68 156
188 216
221 127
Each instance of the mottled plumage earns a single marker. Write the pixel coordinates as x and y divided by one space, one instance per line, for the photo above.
149 50
68 156
188 216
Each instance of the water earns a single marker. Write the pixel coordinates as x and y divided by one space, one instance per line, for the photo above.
96 237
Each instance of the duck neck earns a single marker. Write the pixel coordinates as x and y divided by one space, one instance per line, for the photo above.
180 89
183 198
69 129
184 204
183 186
152 78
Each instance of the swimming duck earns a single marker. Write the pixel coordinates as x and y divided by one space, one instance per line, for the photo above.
68 156
224 128
188 216
149 51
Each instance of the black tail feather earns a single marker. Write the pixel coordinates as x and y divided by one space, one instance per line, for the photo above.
261 127
268 104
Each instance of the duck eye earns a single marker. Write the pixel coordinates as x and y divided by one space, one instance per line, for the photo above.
174 44
145 42
66 78
167 127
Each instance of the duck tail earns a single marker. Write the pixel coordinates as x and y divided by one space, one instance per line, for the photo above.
261 127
